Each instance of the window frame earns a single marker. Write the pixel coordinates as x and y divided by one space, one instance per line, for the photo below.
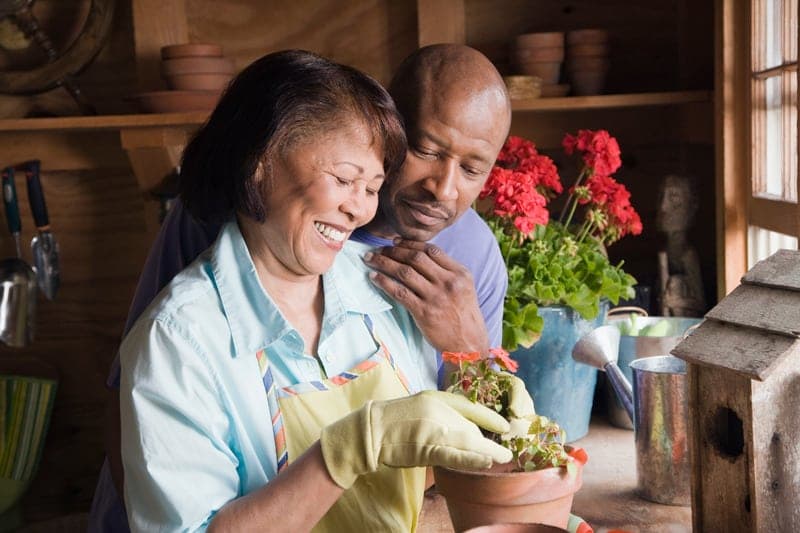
740 207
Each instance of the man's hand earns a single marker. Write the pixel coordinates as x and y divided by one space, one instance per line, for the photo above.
437 290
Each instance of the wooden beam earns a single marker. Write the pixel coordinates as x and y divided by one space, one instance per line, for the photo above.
775 215
732 119
156 23
441 21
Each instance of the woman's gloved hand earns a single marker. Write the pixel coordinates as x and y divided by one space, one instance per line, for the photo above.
520 403
431 428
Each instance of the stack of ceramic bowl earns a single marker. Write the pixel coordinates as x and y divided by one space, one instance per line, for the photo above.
540 55
196 75
587 60
522 87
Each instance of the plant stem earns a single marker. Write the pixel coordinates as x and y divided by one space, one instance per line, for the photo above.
571 199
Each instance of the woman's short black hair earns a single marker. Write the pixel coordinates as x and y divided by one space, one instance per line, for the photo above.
277 100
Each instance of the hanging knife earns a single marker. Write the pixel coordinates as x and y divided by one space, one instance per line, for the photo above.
43 245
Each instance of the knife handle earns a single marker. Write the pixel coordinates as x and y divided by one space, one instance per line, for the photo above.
10 201
36 195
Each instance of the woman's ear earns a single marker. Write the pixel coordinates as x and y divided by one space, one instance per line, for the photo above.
261 172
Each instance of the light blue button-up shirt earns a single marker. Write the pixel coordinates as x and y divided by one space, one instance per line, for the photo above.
196 427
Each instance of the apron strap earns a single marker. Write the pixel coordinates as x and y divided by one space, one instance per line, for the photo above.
274 392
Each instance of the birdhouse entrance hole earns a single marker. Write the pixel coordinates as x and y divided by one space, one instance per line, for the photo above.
725 433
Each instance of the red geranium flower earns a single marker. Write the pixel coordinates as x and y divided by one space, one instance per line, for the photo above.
503 359
459 357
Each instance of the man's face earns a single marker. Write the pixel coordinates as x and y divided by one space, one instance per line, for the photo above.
452 147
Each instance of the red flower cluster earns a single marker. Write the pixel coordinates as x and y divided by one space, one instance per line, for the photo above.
613 200
600 150
521 183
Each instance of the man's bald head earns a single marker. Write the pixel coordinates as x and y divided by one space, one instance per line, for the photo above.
457 114
450 73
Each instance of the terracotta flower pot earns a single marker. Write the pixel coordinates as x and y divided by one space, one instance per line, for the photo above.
191 50
549 53
477 498
516 528
197 65
541 39
589 36
548 71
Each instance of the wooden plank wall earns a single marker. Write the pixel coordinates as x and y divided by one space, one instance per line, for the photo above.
97 211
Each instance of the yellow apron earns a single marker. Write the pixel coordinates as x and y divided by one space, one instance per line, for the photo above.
387 500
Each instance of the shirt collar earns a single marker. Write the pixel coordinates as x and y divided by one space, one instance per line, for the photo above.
255 321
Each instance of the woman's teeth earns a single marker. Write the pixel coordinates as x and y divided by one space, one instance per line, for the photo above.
330 233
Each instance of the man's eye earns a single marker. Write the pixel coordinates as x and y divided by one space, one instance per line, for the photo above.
473 172
426 153
343 181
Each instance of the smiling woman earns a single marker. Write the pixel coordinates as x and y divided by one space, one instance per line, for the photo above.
257 374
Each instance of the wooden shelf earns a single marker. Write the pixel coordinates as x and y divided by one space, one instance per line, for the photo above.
607 101
104 122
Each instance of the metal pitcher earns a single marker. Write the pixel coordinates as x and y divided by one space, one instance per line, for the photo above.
17 302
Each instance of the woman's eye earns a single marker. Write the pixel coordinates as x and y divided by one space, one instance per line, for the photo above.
343 181
372 192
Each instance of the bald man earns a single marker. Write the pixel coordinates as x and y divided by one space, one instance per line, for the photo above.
426 247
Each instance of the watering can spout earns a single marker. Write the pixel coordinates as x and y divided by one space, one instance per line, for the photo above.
600 348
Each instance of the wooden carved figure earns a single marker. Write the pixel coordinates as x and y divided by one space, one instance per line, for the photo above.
680 280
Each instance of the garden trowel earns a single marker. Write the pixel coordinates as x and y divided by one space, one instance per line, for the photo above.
44 246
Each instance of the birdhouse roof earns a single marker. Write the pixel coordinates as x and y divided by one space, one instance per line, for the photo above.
753 329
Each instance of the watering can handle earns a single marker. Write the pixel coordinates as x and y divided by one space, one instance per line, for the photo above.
621 386
627 309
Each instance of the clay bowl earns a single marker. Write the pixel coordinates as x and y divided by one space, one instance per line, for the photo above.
203 81
549 53
548 71
589 36
541 39
191 50
176 101
197 65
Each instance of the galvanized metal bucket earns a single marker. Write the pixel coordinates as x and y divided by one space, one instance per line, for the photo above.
632 347
663 466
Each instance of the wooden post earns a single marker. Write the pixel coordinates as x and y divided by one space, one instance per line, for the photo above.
441 21
156 23
732 90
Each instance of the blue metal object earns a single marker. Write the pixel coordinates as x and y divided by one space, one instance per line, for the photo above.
562 389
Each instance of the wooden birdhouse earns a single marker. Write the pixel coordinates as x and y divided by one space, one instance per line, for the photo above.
744 403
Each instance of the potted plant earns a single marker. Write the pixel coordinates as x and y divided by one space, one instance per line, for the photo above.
560 278
538 484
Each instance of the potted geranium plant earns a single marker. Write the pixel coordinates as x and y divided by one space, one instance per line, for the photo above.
560 279
538 484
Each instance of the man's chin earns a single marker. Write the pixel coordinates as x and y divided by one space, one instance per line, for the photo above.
420 233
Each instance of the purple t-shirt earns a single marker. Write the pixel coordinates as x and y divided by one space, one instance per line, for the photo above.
181 239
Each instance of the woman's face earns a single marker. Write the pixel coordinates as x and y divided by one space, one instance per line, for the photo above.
320 190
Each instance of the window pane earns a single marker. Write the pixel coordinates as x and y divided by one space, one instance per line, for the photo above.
762 243
773 139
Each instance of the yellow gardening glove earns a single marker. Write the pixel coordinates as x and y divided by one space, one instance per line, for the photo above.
520 403
431 428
